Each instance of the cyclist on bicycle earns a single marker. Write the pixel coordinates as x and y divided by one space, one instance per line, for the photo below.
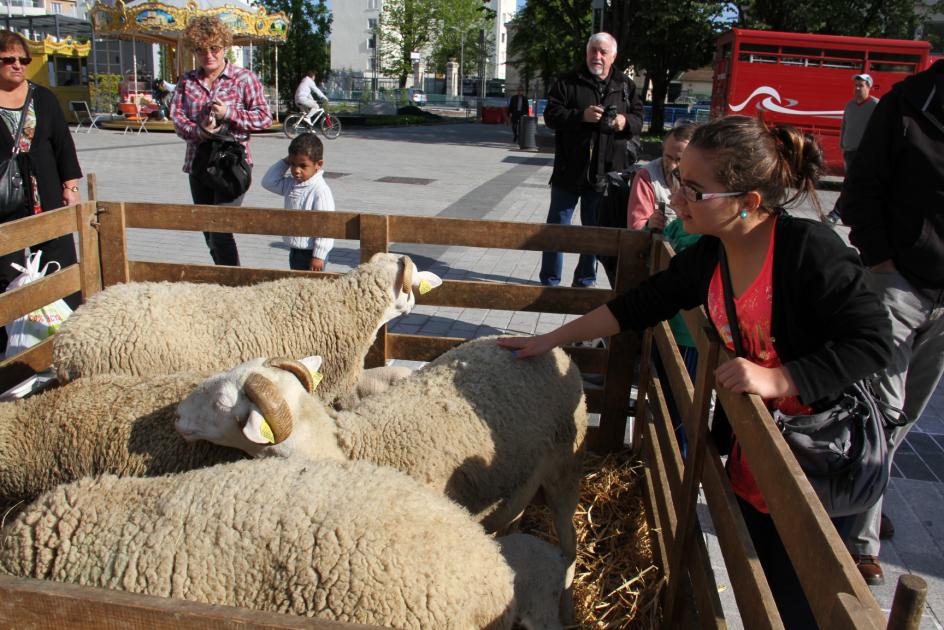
306 93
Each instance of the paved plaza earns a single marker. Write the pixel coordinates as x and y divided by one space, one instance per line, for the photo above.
472 171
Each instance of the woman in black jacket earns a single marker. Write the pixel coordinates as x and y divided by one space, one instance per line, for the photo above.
48 143
809 324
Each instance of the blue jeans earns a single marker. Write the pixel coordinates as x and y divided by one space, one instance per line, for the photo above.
563 204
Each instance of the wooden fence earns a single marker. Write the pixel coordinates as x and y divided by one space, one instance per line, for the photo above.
839 597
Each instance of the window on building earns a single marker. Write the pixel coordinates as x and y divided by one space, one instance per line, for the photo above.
57 8
372 40
68 70
373 4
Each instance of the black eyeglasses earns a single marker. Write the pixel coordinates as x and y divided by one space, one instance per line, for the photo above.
9 61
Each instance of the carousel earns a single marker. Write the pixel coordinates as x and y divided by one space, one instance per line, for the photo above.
163 23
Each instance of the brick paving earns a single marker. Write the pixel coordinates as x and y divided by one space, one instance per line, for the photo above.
474 171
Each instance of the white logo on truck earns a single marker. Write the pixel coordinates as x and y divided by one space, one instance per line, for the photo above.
773 104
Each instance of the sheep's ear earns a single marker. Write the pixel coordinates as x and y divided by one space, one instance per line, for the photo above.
426 281
225 397
257 430
313 363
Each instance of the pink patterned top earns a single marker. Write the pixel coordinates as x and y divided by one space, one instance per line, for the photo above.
238 87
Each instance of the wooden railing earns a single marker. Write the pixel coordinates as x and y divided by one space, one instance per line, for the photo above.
838 596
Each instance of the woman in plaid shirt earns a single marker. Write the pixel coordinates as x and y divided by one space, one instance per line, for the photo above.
217 97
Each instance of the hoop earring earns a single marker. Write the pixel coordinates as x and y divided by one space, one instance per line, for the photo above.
743 214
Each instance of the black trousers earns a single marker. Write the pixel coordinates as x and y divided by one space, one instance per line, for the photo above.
222 244
515 124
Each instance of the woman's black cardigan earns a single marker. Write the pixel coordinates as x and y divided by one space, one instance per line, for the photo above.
828 327
52 152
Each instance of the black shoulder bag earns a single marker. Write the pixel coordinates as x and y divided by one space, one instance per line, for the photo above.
221 161
842 449
16 188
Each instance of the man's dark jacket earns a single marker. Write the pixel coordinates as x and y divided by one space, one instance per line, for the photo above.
575 140
894 198
518 105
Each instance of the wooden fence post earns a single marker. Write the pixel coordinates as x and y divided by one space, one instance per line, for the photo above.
908 604
112 241
375 237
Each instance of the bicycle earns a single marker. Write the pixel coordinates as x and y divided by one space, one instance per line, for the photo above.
297 124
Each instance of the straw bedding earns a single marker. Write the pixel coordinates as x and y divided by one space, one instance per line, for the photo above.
617 583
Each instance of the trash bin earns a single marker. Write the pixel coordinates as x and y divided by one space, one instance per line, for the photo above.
529 126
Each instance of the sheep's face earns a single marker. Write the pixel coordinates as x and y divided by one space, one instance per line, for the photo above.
214 412
405 281
249 407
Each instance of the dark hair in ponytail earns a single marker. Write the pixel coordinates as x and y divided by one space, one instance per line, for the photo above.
747 155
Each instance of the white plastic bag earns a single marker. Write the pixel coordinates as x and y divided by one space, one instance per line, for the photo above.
28 330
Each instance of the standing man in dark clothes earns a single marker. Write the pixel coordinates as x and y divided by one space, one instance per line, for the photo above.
593 111
894 203
517 107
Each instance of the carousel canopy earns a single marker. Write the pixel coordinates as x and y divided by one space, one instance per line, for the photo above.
164 22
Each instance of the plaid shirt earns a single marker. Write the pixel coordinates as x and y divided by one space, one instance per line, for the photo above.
238 87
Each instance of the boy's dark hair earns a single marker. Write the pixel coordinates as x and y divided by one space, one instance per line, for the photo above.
309 145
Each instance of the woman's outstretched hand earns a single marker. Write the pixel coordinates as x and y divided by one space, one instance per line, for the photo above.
526 346
743 377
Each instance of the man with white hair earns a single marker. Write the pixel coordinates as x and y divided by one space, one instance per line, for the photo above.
593 111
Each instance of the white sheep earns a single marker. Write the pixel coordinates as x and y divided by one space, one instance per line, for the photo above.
346 541
103 424
475 424
164 327
374 381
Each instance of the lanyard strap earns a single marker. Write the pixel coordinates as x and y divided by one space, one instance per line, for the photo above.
729 308
23 114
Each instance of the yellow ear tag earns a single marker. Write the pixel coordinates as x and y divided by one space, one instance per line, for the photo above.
316 378
425 287
266 432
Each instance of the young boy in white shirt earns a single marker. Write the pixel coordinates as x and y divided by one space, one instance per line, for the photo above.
299 178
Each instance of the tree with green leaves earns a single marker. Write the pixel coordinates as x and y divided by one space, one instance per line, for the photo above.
405 27
664 40
863 18
549 38
306 47
461 21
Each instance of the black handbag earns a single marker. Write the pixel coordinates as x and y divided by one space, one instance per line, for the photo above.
221 162
842 450
16 188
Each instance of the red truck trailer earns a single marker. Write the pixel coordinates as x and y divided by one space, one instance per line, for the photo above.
806 80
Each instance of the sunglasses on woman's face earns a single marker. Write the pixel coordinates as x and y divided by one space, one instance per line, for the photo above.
213 50
9 61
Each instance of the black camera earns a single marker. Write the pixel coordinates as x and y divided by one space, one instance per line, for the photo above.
608 119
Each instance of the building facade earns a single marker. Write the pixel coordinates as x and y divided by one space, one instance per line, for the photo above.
354 45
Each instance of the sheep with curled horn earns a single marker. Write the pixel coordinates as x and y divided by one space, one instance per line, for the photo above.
164 327
475 424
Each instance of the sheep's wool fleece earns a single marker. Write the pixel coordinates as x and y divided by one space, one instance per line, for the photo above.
346 541
163 327
105 424
498 426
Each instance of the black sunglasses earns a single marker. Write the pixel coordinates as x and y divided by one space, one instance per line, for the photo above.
9 61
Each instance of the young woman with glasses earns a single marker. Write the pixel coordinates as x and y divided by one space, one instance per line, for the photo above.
809 324
50 154
217 97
